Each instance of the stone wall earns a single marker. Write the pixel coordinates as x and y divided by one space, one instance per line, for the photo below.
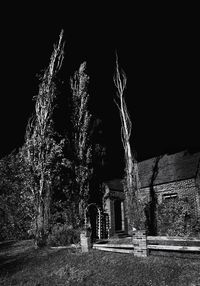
197 183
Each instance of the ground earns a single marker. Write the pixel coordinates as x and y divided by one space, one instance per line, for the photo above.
21 264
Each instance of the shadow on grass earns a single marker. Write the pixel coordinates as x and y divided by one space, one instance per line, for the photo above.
22 264
15 256
5 245
10 265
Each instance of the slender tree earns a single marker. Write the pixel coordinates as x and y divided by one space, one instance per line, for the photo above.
81 144
131 179
41 151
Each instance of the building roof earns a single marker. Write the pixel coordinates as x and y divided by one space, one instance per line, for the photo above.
164 169
115 184
173 167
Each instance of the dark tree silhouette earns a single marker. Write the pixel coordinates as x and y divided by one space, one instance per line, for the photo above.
151 207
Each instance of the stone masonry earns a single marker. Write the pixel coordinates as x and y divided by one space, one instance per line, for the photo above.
85 241
140 243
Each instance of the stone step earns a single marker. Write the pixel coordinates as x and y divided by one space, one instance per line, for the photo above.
115 240
113 249
114 245
120 234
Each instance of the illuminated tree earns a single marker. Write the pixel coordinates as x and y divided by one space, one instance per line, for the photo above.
41 151
80 141
131 179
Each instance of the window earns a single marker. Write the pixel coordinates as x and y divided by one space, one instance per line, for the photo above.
170 196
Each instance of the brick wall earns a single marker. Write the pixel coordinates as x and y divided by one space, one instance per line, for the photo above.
185 188
189 188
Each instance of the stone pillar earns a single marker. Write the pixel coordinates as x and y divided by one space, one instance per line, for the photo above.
198 203
122 210
111 218
140 243
85 238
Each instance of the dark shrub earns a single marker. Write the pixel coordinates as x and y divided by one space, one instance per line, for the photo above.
62 235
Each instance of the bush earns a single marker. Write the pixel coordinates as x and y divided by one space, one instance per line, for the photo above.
16 199
177 218
196 228
62 235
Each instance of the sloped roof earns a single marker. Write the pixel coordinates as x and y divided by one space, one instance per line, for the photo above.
174 167
115 184
165 169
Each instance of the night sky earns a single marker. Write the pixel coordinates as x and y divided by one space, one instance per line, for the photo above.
157 53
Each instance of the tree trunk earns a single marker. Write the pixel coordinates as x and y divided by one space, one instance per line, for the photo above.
42 225
43 216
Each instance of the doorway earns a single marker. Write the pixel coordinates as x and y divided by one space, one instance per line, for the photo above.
93 217
118 215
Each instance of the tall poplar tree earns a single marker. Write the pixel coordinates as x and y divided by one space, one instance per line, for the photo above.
41 151
80 141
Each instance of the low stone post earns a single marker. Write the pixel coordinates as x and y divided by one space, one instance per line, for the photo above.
85 238
140 243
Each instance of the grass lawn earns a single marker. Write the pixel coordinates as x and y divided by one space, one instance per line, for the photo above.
21 264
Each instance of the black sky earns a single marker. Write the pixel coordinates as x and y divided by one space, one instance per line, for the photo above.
158 52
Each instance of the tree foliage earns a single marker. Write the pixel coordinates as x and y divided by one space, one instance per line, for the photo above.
41 150
75 175
80 142
16 200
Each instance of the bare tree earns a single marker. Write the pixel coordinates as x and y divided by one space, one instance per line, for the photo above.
81 139
41 150
131 180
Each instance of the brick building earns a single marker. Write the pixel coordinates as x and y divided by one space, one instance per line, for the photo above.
171 176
